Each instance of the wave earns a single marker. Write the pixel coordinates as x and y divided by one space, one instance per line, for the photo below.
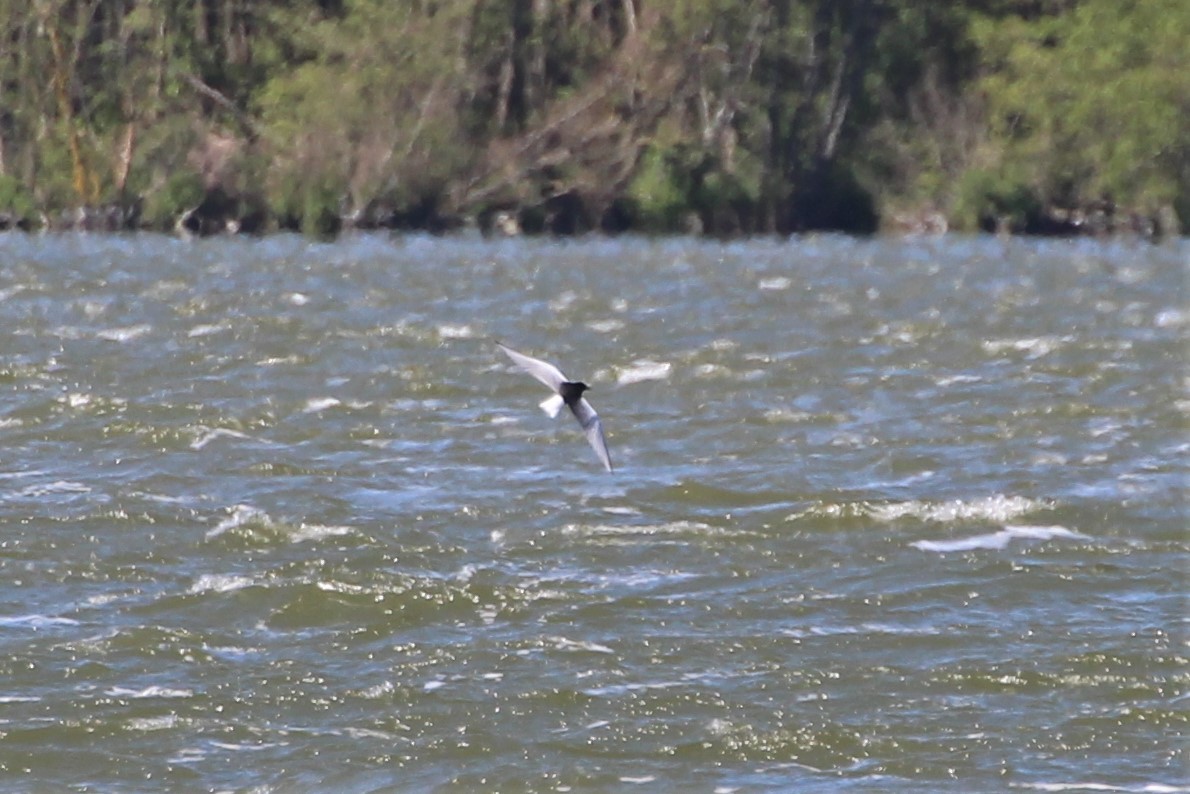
999 540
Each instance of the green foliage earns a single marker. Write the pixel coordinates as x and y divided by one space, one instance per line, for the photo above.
182 191
320 210
989 200
370 118
660 192
749 116
1093 102
15 199
54 187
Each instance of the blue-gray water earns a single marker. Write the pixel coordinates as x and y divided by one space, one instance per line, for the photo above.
888 515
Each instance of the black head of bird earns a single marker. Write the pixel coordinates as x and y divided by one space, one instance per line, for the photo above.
571 391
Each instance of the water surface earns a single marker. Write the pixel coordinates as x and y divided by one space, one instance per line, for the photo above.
888 514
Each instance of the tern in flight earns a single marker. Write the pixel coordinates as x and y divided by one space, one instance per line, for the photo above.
568 393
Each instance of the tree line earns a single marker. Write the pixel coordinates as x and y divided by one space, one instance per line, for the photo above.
709 116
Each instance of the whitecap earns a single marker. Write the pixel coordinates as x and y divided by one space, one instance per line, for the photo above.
220 583
642 370
297 299
206 329
1171 318
210 435
564 644
370 733
126 334
449 331
998 508
273 361
563 301
244 746
146 724
56 487
950 380
888 629
149 692
605 326
1033 347
307 532
240 515
643 578
632 530
231 652
999 540
36 621
711 371
314 405
383 689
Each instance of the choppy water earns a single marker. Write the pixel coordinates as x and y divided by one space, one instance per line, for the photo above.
888 515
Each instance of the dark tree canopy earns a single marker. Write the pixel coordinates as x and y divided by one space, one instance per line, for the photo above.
721 116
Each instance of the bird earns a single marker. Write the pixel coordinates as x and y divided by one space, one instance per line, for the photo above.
568 393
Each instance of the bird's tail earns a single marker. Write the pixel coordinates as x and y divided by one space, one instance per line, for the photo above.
553 405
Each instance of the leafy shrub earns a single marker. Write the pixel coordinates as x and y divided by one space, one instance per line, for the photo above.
182 191
15 199
988 199
658 197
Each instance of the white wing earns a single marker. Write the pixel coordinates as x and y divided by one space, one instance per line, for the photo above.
544 371
587 417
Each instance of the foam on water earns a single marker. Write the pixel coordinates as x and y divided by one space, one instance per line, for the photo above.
207 436
316 532
605 326
220 583
241 515
35 622
997 509
149 692
317 404
449 331
49 489
998 540
164 722
207 329
644 370
124 334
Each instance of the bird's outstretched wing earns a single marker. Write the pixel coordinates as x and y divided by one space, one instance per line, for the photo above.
589 420
542 370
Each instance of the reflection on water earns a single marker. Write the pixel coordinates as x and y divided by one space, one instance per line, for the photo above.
890 512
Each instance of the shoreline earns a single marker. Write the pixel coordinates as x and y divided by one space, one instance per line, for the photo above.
1097 221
